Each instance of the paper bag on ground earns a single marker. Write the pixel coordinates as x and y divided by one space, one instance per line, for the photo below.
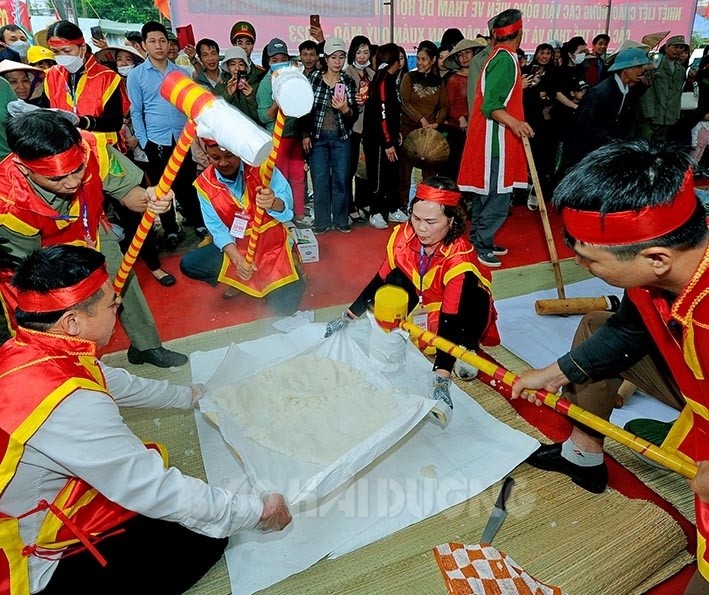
273 457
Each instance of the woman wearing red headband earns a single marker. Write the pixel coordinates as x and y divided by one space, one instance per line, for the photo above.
449 294
78 84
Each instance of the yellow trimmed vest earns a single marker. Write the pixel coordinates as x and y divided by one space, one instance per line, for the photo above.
448 262
275 265
95 87
26 213
688 359
38 371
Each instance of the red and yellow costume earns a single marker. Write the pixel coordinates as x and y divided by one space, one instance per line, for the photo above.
26 213
96 85
474 174
688 358
41 370
680 329
446 267
274 261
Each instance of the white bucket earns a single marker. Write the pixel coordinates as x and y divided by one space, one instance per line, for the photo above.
387 351
292 91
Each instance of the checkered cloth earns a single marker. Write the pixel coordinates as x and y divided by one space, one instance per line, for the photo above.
482 570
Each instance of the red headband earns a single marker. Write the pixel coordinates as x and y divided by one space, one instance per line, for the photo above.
59 42
63 298
449 198
61 164
507 29
632 227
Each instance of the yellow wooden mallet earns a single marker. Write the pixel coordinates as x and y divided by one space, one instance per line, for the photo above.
391 311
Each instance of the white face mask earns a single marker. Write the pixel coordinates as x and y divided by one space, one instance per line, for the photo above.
359 66
20 47
124 70
71 63
579 58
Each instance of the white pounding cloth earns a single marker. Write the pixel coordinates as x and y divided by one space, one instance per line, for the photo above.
481 569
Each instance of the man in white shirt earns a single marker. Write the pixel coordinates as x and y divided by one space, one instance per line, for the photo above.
73 478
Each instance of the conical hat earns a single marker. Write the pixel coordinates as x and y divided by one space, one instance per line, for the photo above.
654 39
627 44
425 147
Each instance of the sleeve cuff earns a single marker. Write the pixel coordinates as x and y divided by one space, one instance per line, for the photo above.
572 370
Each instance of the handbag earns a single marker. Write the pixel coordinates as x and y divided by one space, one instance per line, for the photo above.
689 100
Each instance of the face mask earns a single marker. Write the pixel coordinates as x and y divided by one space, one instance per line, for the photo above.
279 65
579 58
20 47
71 63
124 70
359 66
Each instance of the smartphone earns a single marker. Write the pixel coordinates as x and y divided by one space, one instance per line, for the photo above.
535 69
363 89
695 63
97 33
340 91
315 20
185 36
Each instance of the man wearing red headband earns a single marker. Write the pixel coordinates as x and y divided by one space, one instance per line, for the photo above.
230 192
632 217
430 257
81 86
54 194
496 128
87 507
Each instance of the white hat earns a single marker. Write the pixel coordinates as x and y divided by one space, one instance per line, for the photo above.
235 53
334 44
11 65
108 54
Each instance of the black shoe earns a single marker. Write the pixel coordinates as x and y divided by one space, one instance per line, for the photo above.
171 241
499 250
159 357
166 281
344 228
201 232
548 457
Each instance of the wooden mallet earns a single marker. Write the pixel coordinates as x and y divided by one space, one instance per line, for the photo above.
563 305
391 303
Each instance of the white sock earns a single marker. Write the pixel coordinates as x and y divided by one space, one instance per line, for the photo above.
582 458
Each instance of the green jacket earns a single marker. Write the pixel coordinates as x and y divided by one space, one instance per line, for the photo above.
661 102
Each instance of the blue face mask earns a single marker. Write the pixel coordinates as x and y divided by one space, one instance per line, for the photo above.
279 65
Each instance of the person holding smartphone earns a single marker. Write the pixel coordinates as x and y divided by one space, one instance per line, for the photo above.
327 138
537 99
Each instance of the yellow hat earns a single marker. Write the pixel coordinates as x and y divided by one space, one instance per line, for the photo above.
37 53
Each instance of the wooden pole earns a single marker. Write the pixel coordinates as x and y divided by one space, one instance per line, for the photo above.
556 267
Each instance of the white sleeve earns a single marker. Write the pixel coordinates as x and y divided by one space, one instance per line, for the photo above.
133 391
85 437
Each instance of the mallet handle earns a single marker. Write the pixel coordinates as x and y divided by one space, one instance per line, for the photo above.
556 267
655 453
179 153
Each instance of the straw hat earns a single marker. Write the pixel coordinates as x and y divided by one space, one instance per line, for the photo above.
627 44
464 44
426 147
108 54
11 65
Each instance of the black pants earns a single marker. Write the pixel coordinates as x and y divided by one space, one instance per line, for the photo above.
151 556
383 180
185 193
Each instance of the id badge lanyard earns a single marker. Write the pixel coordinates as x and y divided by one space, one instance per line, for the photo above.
420 314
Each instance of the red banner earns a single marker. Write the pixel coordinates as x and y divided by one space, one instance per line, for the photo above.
416 20
15 12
